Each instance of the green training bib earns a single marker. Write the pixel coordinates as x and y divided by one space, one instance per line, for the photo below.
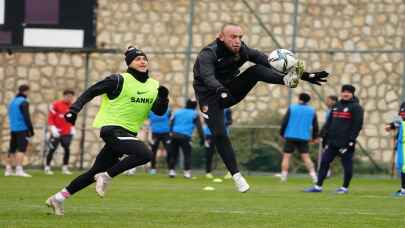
130 109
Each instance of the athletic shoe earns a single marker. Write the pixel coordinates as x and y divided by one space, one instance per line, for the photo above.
399 193
187 174
209 176
57 206
228 176
8 172
21 173
48 172
313 189
130 172
240 183
281 176
292 78
152 172
102 182
66 171
172 173
342 190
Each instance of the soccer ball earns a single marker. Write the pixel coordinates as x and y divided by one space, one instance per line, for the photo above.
282 60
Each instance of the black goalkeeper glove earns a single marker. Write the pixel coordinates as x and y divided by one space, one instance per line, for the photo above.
71 117
225 97
316 77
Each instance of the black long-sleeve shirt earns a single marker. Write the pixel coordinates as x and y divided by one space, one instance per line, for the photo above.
216 66
343 124
112 86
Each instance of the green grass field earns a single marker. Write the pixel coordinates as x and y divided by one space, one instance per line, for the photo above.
157 201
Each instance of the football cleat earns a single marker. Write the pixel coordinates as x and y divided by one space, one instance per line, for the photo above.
66 171
8 172
102 182
172 173
187 174
227 176
240 183
313 189
342 190
21 173
399 193
130 172
292 78
56 206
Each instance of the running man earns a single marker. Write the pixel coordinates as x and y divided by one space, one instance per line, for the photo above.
127 99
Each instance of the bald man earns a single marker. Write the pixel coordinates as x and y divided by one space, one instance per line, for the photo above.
218 84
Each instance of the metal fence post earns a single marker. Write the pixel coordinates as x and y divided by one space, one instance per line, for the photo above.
83 126
294 41
189 48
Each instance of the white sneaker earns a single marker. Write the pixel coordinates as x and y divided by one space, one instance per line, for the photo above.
240 183
187 174
282 177
228 176
21 173
130 172
8 172
66 171
209 176
56 205
48 170
102 181
172 173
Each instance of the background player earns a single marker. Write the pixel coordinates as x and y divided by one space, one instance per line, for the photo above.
299 126
21 131
341 130
182 125
61 131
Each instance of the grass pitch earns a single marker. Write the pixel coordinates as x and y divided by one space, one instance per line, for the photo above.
157 201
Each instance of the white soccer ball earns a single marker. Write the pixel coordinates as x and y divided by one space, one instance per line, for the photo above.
282 60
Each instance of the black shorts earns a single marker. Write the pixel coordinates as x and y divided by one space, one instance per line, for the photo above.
291 145
18 142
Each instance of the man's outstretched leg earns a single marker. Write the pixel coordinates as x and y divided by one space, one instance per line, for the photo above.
105 159
135 153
